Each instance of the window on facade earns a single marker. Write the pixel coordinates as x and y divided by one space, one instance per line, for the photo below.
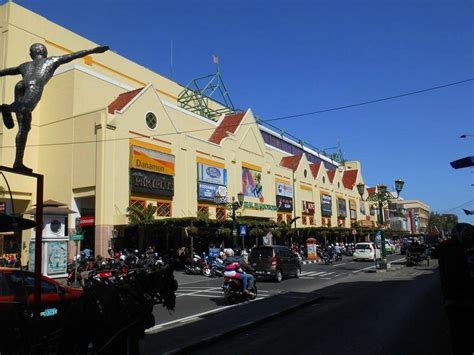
137 203
280 218
304 220
288 218
151 120
203 211
163 209
221 213
311 220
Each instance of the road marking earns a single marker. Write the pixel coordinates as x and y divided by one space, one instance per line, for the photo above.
199 291
316 273
326 278
366 268
327 273
159 326
306 277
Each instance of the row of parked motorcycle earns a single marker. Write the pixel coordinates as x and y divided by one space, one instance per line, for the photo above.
204 265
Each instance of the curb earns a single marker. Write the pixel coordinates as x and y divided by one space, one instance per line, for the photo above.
244 326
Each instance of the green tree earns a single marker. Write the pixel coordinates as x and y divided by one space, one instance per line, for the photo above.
137 214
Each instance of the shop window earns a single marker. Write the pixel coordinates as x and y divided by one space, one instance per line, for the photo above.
221 213
311 220
304 220
203 211
288 218
280 218
163 209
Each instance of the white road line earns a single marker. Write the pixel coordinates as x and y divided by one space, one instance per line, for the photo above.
199 291
326 278
327 273
306 277
366 268
158 326
316 273
306 272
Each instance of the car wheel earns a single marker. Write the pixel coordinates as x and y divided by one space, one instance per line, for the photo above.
278 276
298 273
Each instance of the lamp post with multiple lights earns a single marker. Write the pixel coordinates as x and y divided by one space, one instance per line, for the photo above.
380 198
234 206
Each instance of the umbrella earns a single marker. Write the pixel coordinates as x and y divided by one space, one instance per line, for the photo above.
8 223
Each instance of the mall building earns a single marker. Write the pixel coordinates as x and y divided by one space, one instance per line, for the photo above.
109 133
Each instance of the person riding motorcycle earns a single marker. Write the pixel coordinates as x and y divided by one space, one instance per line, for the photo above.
233 269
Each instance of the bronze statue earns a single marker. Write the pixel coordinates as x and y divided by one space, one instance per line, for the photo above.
28 91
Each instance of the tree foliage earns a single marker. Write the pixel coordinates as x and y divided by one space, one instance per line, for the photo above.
443 222
137 214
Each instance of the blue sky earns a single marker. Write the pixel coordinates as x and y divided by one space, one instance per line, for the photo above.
282 58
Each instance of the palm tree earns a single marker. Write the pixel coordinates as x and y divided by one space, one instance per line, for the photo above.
137 214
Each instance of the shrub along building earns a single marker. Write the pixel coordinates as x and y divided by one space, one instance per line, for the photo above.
109 133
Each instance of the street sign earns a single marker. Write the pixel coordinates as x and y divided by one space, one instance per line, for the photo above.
76 237
243 230
234 232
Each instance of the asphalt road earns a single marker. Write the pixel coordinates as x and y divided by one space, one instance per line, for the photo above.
332 309
198 295
392 313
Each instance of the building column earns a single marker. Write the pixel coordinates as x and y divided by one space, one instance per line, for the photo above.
103 237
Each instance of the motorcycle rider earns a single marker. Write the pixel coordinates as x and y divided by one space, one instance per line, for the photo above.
233 269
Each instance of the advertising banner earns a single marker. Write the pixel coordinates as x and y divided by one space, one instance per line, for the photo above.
151 183
151 160
212 174
353 214
252 183
341 208
308 207
86 221
326 205
283 189
284 203
57 257
362 207
207 192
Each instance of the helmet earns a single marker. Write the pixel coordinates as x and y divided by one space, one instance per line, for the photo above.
229 252
123 257
337 244
117 255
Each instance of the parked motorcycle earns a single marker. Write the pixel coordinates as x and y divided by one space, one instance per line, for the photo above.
217 268
232 289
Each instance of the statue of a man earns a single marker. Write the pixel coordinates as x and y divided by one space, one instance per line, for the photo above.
28 91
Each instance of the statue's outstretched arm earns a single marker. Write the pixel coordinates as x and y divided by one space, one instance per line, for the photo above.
10 71
79 54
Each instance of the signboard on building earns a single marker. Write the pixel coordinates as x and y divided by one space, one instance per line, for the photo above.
151 183
212 174
362 207
326 205
283 189
308 207
284 203
353 209
86 221
207 192
151 160
252 183
341 208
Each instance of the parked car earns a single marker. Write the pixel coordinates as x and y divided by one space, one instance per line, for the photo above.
276 261
16 304
366 251
389 248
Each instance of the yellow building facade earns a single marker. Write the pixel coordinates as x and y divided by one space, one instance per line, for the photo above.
109 133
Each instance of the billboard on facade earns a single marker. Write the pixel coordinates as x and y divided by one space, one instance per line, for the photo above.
151 183
308 207
283 189
57 257
207 192
212 174
252 183
341 208
326 205
284 203
151 160
353 209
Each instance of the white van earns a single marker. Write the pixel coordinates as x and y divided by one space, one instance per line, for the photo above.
365 251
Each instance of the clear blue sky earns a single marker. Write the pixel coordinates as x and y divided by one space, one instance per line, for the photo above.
287 57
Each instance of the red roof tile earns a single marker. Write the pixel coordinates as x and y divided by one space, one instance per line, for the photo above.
315 168
291 162
349 178
331 174
228 124
122 100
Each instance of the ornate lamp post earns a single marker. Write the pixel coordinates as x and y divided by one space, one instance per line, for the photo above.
380 198
234 206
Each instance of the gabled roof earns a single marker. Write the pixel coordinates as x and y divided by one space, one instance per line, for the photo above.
349 178
331 174
315 169
122 100
371 190
228 125
291 162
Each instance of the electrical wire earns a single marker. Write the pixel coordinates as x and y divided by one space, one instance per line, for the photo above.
344 107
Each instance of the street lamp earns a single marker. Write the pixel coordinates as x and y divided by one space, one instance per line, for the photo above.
379 199
234 206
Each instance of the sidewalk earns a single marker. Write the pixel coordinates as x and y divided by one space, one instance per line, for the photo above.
187 337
